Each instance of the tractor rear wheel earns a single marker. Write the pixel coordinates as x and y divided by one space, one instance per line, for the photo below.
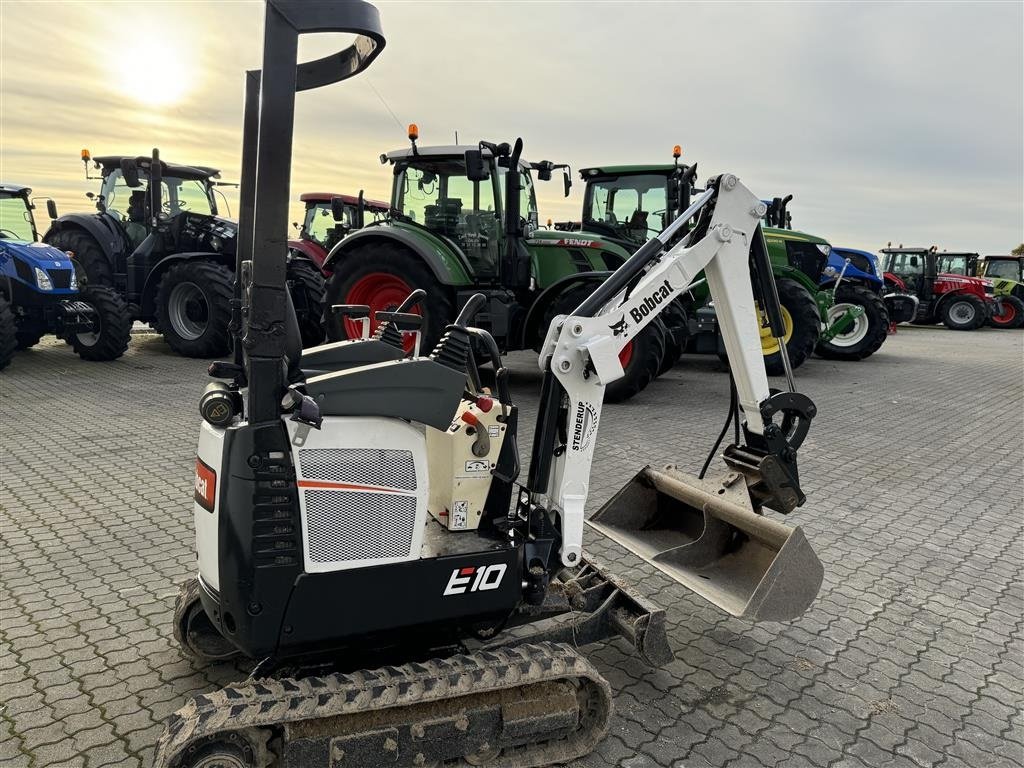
1012 314
674 320
868 332
8 332
193 308
306 285
110 340
381 277
91 265
964 312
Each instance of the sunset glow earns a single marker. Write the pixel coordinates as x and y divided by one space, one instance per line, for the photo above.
153 72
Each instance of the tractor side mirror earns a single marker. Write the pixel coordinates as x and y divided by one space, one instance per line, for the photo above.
476 168
51 209
566 183
130 171
337 208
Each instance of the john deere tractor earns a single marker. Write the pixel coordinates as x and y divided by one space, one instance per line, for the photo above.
463 220
39 292
1003 272
158 241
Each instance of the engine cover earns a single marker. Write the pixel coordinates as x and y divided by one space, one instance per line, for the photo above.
362 492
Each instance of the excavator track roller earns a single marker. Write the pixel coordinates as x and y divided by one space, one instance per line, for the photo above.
513 707
706 535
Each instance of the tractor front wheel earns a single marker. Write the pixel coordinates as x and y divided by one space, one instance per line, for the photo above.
381 277
306 285
1011 314
114 326
963 313
866 334
641 361
91 265
802 323
193 308
8 332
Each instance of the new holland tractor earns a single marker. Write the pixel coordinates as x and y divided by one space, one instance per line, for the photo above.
463 220
157 239
1003 272
362 533
327 219
39 291
960 302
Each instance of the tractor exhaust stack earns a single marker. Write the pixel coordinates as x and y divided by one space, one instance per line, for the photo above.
707 536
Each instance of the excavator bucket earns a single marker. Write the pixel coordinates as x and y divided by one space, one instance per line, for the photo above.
706 535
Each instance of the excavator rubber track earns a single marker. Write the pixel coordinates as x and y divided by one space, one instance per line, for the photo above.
511 707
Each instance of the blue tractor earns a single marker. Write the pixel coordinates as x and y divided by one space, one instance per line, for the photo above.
39 291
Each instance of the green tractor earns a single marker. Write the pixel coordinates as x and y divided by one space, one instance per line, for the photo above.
1007 276
463 220
630 203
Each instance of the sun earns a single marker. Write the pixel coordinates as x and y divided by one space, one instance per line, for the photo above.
155 73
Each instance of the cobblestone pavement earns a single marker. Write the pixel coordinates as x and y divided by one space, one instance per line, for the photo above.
911 655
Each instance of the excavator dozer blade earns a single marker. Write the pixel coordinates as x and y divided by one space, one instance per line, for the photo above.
706 535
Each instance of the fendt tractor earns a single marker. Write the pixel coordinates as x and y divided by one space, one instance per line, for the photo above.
157 240
463 222
1007 291
327 219
39 291
362 531
960 302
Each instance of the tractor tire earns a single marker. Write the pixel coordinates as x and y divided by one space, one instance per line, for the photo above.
1012 315
28 337
91 264
869 331
964 312
193 308
115 331
306 285
8 332
803 325
382 276
641 361
676 331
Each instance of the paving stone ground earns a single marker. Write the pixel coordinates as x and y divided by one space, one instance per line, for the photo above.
911 656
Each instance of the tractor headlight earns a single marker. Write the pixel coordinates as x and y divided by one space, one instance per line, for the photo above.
43 280
825 249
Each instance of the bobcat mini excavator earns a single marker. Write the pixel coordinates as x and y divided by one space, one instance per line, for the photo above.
361 531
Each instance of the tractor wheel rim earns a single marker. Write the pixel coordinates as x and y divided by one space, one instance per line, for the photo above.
1007 316
769 345
962 312
381 292
855 333
626 354
188 311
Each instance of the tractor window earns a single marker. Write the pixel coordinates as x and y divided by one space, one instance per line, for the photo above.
184 196
320 226
953 265
15 220
910 267
632 205
116 194
528 199
1003 268
436 194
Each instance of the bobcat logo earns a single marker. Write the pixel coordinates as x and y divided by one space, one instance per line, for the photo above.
619 327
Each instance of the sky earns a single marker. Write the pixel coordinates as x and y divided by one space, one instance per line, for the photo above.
887 122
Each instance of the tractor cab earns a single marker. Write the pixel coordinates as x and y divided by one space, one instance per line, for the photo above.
1002 268
329 218
956 263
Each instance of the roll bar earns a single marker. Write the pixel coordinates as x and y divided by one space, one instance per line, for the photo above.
261 309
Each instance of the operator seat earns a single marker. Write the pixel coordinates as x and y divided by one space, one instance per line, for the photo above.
135 226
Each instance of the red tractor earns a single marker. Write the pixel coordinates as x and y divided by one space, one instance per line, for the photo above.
959 302
328 219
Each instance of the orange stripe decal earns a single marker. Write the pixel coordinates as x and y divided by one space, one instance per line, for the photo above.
329 485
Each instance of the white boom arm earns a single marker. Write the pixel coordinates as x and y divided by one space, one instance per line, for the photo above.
584 351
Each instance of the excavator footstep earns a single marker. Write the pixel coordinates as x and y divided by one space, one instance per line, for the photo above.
706 535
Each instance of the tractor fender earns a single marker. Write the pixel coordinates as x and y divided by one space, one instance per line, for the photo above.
148 300
311 251
99 226
533 330
445 263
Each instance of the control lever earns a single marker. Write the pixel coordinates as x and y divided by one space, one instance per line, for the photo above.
358 313
391 324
